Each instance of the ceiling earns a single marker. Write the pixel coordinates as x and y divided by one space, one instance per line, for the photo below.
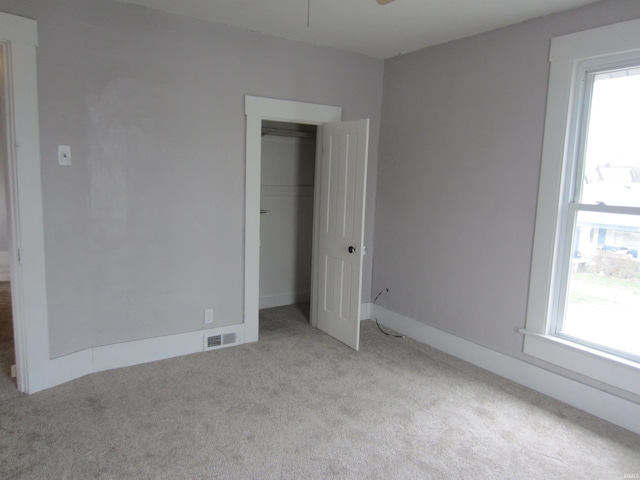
363 26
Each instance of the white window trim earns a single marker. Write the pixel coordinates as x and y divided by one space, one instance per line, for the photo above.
567 54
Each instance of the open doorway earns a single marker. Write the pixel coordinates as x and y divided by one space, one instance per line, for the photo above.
287 177
34 367
7 339
258 110
338 217
7 350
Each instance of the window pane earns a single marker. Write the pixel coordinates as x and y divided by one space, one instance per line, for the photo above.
612 156
603 305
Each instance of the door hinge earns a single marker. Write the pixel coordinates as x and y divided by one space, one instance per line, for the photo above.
19 256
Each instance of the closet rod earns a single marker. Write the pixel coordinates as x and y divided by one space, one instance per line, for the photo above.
287 133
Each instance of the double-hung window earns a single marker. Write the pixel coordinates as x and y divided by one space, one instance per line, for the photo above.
584 298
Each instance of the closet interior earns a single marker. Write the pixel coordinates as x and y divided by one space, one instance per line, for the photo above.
288 161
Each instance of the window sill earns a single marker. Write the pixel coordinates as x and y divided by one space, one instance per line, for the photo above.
615 371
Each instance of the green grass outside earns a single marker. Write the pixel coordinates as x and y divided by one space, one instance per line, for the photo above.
631 284
577 297
581 290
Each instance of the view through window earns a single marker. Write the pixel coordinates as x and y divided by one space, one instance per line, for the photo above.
602 306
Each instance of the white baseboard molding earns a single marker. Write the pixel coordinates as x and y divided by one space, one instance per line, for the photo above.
107 357
5 274
365 311
57 371
126 354
607 406
5 266
286 299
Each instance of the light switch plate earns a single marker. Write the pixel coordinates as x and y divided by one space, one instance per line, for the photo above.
208 315
64 155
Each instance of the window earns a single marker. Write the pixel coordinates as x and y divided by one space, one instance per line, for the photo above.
599 286
584 298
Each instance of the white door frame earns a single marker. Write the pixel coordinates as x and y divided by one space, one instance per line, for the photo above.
258 109
28 287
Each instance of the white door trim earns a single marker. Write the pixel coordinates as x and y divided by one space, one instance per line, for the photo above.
256 110
28 286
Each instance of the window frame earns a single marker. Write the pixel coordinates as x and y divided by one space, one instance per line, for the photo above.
572 204
571 57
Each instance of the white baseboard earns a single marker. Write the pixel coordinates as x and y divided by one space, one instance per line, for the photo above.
107 357
136 352
286 299
5 266
126 354
57 371
365 311
596 402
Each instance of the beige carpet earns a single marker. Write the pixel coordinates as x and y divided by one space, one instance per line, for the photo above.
299 405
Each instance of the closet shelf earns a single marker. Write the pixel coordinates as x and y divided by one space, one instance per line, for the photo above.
278 132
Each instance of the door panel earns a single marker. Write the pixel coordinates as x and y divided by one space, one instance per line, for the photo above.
341 226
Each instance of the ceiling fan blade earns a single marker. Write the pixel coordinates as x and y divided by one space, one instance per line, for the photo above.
383 2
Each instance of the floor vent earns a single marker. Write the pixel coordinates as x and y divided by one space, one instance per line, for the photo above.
220 340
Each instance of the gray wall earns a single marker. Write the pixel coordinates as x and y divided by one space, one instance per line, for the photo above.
460 149
146 228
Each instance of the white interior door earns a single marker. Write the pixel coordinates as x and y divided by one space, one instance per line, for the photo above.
340 229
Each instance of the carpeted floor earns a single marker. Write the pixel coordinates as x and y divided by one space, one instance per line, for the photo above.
300 405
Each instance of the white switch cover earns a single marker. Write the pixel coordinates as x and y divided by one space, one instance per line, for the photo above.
208 315
64 155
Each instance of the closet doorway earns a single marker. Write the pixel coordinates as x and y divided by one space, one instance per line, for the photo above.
34 368
288 161
7 338
338 214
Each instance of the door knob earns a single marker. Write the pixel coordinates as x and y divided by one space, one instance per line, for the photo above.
352 249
